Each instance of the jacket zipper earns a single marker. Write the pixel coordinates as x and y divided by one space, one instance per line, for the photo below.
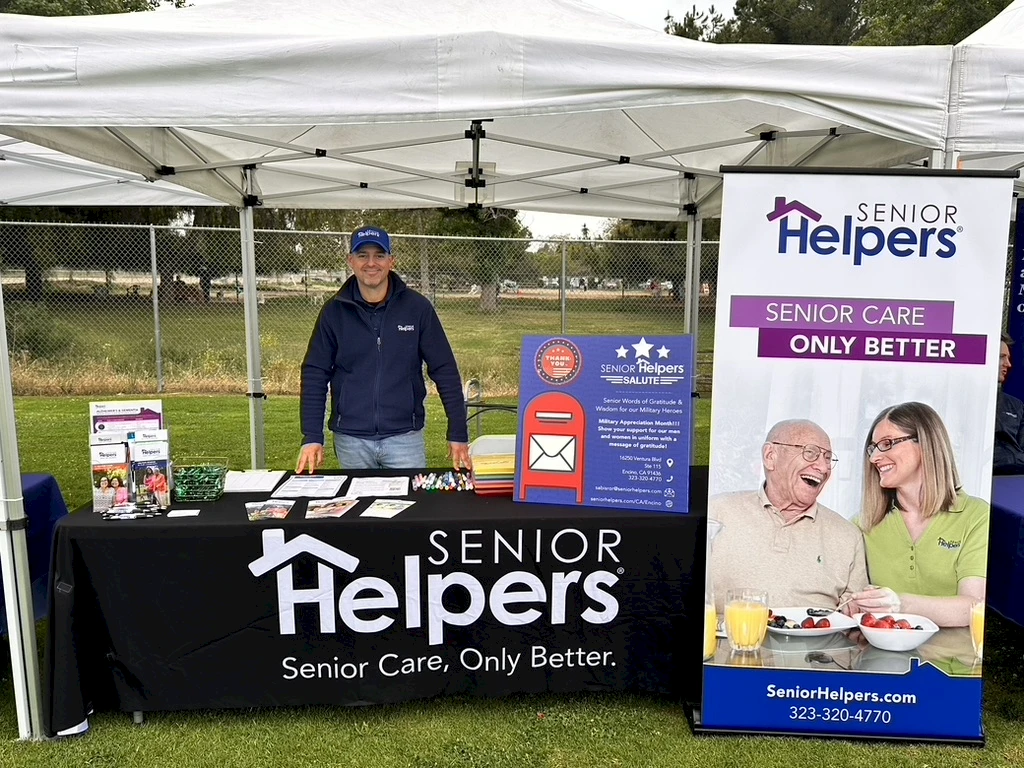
380 365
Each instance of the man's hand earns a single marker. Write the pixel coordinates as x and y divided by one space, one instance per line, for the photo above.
459 453
311 456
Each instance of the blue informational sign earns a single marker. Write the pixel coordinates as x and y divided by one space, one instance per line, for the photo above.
605 421
922 701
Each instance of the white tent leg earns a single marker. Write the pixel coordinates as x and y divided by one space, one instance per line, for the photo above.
257 441
21 625
688 292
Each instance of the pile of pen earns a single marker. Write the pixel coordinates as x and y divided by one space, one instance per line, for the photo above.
443 481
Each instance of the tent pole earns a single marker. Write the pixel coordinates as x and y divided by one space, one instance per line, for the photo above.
688 286
21 626
257 442
157 340
697 224
562 289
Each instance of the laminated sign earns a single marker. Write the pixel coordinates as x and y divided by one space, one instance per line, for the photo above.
605 421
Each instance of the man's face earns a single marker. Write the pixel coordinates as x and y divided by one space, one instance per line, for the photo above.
371 266
1004 361
794 482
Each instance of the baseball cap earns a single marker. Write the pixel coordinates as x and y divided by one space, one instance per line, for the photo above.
371 236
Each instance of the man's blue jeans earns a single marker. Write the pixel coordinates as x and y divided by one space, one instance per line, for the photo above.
408 451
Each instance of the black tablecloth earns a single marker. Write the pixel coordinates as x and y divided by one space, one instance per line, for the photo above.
183 613
1005 591
44 506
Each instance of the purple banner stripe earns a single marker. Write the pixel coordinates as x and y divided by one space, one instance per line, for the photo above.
813 344
841 314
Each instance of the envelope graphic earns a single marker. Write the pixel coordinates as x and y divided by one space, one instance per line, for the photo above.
552 453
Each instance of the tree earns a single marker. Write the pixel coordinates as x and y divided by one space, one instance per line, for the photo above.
926 22
707 26
36 249
82 7
486 261
782 22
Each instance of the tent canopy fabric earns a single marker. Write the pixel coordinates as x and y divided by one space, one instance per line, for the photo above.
987 110
33 175
363 104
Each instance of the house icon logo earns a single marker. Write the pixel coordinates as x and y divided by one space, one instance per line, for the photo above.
783 208
278 554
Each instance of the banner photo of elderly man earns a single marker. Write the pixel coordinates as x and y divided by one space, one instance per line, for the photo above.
856 348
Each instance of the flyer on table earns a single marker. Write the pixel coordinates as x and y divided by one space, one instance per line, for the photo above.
856 352
605 421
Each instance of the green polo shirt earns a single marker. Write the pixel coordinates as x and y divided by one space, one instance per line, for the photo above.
953 547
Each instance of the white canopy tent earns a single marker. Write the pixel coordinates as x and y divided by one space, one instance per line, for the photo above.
363 105
986 110
543 105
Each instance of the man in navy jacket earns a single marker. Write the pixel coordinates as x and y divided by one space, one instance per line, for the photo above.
1008 454
369 346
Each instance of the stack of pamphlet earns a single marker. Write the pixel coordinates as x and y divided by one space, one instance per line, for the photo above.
113 427
150 455
110 473
494 464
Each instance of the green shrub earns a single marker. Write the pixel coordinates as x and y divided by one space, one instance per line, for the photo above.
32 331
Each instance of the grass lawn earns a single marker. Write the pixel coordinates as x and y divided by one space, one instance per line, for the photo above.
549 731
82 344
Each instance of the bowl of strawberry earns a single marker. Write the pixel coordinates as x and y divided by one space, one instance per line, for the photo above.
895 631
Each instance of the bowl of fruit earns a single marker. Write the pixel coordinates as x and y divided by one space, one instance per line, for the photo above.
895 631
807 622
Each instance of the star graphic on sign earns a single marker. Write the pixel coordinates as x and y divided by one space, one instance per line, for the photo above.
643 349
663 351
621 352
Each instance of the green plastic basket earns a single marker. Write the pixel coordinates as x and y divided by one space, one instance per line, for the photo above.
200 480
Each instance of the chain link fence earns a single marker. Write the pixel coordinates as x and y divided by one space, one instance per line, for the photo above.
105 309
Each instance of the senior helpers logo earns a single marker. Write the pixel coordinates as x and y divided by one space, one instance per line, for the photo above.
558 361
900 229
418 595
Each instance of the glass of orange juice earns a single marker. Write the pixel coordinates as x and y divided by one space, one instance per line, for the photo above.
978 627
710 630
746 618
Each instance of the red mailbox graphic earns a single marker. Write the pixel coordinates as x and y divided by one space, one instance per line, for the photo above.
554 437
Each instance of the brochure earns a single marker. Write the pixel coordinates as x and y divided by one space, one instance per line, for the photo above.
252 480
150 481
109 485
319 486
272 509
379 486
386 508
126 416
329 507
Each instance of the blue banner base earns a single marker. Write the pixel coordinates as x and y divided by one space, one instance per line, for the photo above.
923 704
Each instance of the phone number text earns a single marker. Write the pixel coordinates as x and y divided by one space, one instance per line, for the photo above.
841 715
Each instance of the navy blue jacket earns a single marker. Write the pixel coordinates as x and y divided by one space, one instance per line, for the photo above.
373 358
1008 454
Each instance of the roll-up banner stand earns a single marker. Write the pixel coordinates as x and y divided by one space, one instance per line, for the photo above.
856 352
